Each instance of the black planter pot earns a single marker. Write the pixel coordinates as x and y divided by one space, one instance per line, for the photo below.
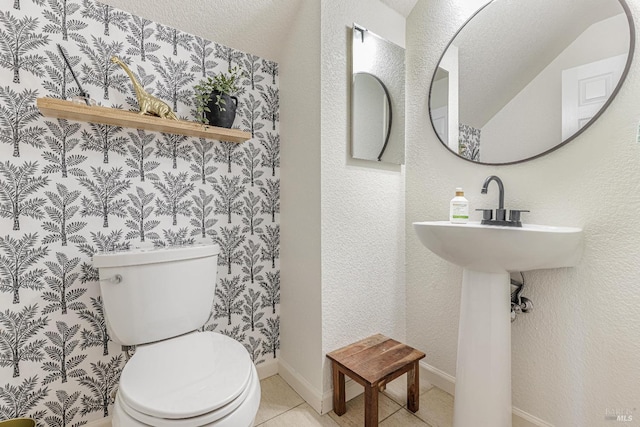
224 118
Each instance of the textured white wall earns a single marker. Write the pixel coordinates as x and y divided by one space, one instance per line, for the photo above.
576 354
362 202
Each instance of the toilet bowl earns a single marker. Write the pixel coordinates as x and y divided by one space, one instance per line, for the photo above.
178 376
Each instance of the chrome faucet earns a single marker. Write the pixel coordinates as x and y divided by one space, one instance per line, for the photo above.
501 212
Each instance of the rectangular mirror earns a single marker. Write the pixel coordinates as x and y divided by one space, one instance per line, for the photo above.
377 98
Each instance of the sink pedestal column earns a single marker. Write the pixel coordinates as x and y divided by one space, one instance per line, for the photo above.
483 370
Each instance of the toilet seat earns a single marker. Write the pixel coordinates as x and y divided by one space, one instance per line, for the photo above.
243 416
190 380
232 415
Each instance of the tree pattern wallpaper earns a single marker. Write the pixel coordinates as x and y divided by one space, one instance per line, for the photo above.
469 142
70 189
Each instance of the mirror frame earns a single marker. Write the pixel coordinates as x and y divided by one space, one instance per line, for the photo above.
632 42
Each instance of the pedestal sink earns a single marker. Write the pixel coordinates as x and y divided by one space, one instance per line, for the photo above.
487 254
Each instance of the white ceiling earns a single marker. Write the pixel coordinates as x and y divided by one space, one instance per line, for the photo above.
403 7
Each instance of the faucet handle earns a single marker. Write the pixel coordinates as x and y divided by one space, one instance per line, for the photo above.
514 214
487 214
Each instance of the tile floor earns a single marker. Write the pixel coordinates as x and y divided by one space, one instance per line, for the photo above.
281 406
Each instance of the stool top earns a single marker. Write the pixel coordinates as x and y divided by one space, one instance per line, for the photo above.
375 357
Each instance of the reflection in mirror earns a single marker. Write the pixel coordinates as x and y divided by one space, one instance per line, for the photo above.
520 79
377 95
372 116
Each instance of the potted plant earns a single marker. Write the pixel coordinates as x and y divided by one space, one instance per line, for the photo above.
215 100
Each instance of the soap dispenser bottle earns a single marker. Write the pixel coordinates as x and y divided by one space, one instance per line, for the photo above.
459 208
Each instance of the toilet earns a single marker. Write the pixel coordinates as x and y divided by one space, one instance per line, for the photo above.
157 299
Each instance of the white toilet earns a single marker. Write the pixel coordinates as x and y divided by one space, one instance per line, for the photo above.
178 377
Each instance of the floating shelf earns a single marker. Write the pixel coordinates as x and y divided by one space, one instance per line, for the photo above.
51 107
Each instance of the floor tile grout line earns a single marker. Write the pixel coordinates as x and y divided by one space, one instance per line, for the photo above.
405 407
281 413
394 412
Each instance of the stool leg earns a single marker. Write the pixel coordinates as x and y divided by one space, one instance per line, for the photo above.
413 388
371 406
339 406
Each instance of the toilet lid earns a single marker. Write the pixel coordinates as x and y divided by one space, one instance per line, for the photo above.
185 376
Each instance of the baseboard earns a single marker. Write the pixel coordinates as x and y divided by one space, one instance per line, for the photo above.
351 389
532 420
267 369
438 378
447 383
301 386
103 422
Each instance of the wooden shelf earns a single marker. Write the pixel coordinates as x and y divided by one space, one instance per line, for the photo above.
51 107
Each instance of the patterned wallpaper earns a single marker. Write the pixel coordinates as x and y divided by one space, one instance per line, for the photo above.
69 189
469 142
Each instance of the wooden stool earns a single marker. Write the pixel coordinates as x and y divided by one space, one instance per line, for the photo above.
373 362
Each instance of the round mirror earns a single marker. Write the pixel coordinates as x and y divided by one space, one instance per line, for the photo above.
371 117
521 78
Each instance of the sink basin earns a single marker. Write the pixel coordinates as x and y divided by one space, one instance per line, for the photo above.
487 254
497 249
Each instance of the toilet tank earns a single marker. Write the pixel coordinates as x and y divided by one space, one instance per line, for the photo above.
154 294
